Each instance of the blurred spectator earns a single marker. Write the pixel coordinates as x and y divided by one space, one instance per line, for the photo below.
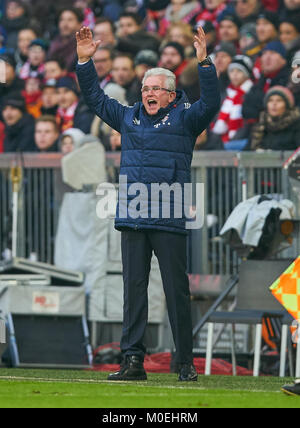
72 112
211 13
115 141
289 31
291 8
179 11
230 119
274 72
189 81
54 69
223 56
46 134
19 125
89 17
104 30
49 98
14 19
144 61
279 124
123 74
32 95
294 78
103 60
247 10
229 29
248 38
267 27
210 35
132 37
35 65
25 37
182 33
70 140
12 81
64 45
172 57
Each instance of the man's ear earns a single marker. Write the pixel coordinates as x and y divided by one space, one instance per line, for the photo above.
172 96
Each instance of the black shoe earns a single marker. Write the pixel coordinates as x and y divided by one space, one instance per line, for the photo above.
292 389
188 373
131 369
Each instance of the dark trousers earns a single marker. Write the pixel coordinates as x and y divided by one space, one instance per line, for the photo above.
170 250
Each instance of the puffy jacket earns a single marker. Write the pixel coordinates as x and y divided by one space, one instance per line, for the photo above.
155 149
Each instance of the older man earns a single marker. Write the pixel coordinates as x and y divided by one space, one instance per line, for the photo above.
158 137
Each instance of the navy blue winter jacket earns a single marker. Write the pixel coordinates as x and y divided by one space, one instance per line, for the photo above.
155 149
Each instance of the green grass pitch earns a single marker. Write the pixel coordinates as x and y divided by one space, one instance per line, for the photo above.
26 388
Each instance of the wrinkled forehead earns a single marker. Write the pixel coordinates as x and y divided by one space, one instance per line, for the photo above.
155 81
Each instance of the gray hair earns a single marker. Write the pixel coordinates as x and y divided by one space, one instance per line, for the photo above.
170 77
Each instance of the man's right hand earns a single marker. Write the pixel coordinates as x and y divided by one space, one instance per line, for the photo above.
86 46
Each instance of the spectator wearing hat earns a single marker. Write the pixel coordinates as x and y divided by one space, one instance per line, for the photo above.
279 123
172 58
223 55
274 72
12 82
19 125
15 18
49 98
72 112
64 45
229 29
230 119
124 75
144 61
132 37
35 65
248 38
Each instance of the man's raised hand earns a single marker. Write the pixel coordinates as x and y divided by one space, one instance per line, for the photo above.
86 46
200 45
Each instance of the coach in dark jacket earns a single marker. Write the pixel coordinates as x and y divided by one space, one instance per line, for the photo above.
158 137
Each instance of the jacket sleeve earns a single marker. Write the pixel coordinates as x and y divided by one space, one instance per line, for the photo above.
201 113
109 110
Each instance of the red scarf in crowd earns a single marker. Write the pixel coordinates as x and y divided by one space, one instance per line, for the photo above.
65 117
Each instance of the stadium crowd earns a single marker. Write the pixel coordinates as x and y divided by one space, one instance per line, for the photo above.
255 46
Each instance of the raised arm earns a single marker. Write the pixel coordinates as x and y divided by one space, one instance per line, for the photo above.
108 109
201 113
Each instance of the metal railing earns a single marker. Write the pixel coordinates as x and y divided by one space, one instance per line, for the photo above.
229 178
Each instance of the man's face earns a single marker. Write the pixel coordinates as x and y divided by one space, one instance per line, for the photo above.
228 31
25 37
265 30
271 62
170 58
103 32
222 61
66 97
11 115
127 25
14 10
103 63
212 4
288 33
155 99
10 73
244 8
49 97
123 71
45 135
68 23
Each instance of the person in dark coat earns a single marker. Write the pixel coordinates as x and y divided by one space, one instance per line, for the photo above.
279 124
12 83
158 137
19 125
275 71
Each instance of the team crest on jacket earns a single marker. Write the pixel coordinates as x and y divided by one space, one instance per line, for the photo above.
164 121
